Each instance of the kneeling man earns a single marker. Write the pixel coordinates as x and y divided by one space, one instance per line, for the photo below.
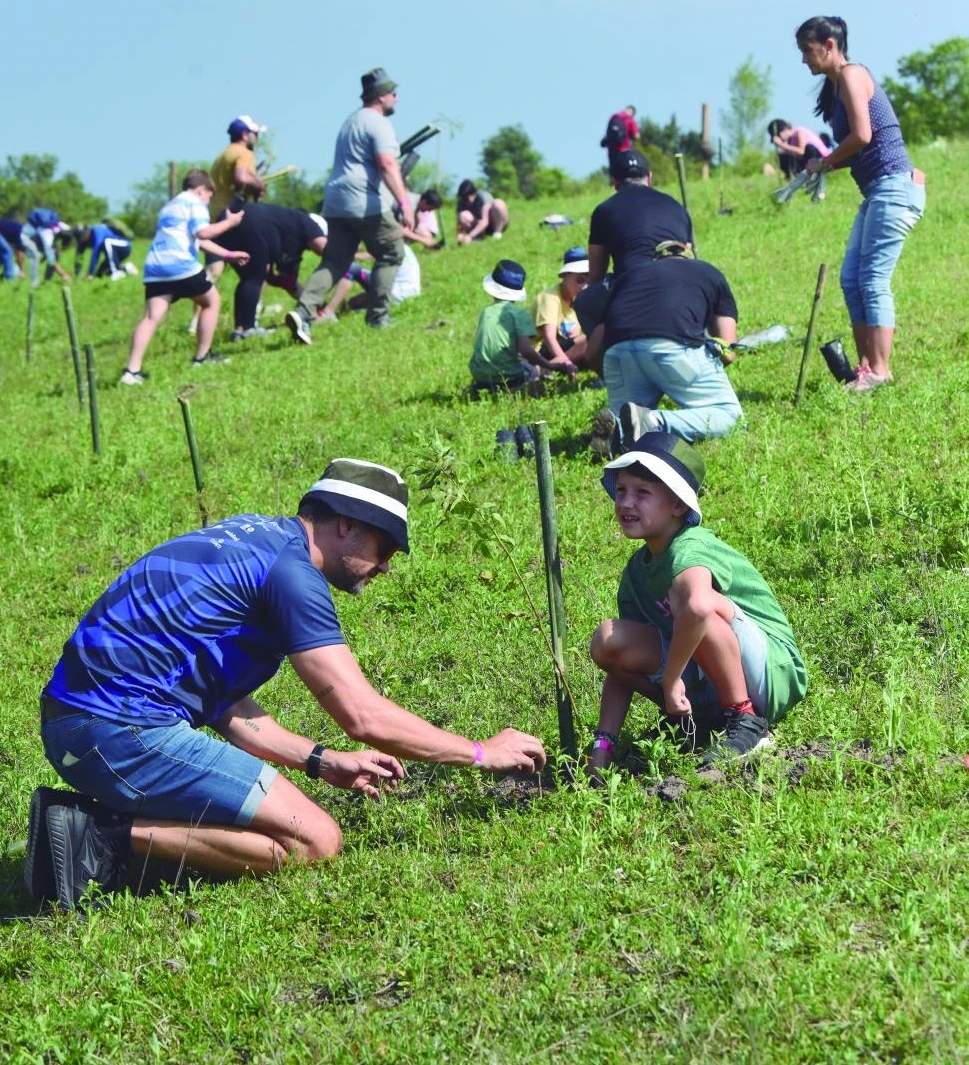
177 645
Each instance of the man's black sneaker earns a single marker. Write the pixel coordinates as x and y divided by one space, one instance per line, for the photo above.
88 842
299 328
525 442
381 322
38 867
606 440
743 734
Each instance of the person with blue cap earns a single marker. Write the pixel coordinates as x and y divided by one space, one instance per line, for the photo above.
699 632
505 358
174 651
559 332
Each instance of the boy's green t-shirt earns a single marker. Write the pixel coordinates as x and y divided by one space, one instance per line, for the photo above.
644 596
496 357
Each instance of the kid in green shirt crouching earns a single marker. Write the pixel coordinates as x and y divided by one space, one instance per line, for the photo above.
699 631
505 357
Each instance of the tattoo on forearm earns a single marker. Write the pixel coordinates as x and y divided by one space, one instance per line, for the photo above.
249 723
326 691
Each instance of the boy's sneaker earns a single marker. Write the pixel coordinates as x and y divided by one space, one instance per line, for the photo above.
130 269
496 236
383 322
606 439
38 866
742 736
87 842
133 377
635 420
299 328
525 442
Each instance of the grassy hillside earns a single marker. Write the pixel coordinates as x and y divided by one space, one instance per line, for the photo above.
811 909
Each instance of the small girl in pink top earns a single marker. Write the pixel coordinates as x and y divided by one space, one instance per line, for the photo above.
796 145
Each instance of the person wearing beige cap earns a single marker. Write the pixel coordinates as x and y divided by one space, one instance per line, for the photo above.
364 186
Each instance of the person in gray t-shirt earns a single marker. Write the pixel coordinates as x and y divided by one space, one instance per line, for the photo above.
359 206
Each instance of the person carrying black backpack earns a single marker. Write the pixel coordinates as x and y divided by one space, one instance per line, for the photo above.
621 132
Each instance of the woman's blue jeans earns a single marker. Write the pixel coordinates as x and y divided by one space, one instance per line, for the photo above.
891 207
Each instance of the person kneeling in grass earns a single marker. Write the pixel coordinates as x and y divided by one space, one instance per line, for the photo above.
505 358
177 646
559 332
173 270
699 631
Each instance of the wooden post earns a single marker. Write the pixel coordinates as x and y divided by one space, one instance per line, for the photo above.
75 346
30 326
681 172
193 452
705 137
172 181
553 578
92 396
809 339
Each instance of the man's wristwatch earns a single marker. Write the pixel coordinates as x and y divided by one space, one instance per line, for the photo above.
315 762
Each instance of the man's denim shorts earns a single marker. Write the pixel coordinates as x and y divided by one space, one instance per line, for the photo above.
164 772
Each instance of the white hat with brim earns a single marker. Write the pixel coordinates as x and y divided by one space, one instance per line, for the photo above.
671 460
500 292
249 122
580 266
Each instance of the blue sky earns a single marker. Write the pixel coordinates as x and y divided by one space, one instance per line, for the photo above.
133 83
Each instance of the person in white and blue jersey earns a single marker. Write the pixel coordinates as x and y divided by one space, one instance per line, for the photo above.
173 270
176 648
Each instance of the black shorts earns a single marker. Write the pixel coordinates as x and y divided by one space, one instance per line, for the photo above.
185 288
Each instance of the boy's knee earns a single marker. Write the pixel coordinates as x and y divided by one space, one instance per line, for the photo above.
602 646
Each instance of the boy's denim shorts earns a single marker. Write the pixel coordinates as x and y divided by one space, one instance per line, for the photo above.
753 657
164 772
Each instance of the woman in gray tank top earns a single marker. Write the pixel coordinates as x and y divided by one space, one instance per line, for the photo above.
870 143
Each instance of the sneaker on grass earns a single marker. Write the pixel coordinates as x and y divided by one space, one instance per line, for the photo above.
213 358
743 735
88 843
299 328
38 865
133 377
635 420
248 334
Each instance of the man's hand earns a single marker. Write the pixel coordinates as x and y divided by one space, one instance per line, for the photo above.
512 749
234 217
407 214
675 702
360 770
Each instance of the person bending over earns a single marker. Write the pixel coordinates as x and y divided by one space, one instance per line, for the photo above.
480 214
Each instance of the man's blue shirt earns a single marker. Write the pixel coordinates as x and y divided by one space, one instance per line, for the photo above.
198 623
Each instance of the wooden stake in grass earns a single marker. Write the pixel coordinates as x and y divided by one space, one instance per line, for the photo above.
30 326
681 172
809 339
75 346
92 396
553 577
193 452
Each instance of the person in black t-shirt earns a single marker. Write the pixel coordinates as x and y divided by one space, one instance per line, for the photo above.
275 238
656 322
629 225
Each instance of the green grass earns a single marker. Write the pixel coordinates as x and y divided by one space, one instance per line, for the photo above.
810 910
